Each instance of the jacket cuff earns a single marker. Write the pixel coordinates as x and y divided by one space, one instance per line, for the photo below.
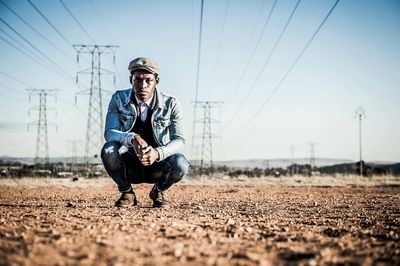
161 153
126 140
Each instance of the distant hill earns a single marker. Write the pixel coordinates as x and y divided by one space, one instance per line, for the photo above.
30 160
280 162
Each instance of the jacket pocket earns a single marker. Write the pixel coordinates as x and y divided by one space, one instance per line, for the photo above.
126 120
162 122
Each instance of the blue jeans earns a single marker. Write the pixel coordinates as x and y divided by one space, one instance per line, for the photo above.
125 168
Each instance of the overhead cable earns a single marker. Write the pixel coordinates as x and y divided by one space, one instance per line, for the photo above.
36 31
36 49
285 76
77 21
109 33
219 45
51 24
264 65
15 79
253 52
25 53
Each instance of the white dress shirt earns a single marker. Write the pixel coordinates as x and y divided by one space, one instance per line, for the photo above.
144 107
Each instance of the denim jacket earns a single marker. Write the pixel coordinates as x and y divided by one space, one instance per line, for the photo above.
166 121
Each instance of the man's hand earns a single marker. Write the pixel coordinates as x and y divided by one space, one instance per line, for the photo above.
146 153
148 156
138 144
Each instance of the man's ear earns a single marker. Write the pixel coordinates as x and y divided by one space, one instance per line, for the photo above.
130 79
157 80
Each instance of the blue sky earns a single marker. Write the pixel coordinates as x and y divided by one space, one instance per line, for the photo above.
353 61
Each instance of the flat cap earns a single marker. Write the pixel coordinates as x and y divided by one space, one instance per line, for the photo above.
144 63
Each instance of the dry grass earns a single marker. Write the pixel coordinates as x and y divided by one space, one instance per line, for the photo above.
314 181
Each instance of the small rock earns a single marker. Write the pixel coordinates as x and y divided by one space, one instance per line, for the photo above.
70 205
249 230
285 229
178 250
331 232
230 221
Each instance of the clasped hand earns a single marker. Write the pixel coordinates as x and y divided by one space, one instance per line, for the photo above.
147 154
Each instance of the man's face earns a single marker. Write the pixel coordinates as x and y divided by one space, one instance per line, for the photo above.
144 84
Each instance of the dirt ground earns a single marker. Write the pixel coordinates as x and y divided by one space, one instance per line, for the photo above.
210 222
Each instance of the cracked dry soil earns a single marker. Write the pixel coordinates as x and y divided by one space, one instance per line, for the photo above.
229 223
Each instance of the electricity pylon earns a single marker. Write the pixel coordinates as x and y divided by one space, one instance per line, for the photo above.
207 135
312 154
360 113
42 144
94 129
292 149
74 154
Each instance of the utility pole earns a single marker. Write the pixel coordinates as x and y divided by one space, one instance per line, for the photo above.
292 148
197 80
94 129
207 135
266 167
74 154
360 113
312 154
42 144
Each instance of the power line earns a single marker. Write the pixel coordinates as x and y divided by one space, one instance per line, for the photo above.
77 21
18 42
29 54
6 86
249 40
71 79
6 108
51 24
253 52
36 31
198 74
285 76
265 64
35 48
80 26
219 45
15 79
199 51
25 53
109 33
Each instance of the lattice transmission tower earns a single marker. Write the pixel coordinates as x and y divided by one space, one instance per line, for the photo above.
74 144
42 143
94 129
293 165
207 135
312 154
360 114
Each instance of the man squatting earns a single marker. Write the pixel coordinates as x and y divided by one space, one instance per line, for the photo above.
144 134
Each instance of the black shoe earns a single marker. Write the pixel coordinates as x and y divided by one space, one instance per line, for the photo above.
158 197
126 199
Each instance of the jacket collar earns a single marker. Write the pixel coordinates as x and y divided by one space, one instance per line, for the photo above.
160 101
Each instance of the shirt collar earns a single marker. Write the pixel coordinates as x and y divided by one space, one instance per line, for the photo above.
148 102
158 99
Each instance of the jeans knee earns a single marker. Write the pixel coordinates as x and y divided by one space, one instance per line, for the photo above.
109 154
181 167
